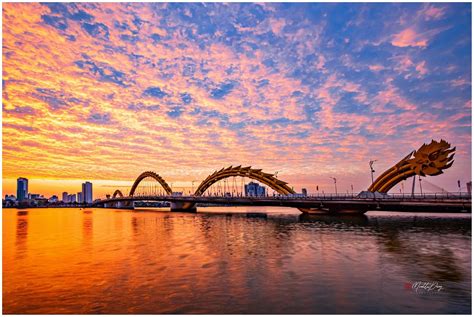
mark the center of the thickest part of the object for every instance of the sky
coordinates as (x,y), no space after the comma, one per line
(103,92)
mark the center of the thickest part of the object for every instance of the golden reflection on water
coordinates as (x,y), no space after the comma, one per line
(119,261)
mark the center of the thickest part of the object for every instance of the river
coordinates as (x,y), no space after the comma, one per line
(234,260)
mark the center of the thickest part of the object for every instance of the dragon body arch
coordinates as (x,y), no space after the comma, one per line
(117,193)
(276,184)
(157,177)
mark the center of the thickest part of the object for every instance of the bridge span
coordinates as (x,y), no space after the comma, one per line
(323,204)
(429,160)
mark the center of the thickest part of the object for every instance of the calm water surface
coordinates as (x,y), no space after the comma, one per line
(116,261)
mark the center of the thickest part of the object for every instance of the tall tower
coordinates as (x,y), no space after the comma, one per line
(21,188)
(87,192)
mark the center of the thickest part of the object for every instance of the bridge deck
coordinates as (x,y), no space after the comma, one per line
(418,204)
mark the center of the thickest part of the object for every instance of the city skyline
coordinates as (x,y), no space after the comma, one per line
(23,193)
(106,91)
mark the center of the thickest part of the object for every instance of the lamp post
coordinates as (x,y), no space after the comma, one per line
(335,183)
(372,171)
(421,189)
(192,185)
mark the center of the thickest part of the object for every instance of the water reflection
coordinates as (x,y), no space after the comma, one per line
(87,228)
(348,219)
(21,233)
(161,262)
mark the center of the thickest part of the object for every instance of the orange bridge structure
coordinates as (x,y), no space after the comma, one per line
(429,160)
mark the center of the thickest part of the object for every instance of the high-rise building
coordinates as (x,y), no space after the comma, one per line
(21,188)
(254,189)
(304,191)
(87,192)
(65,197)
(79,198)
(71,198)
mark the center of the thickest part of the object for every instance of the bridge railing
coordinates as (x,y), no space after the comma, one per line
(442,196)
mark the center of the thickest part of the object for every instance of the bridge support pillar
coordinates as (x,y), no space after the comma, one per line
(183,206)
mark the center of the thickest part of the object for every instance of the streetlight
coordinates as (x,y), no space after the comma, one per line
(421,189)
(372,171)
(192,185)
(335,183)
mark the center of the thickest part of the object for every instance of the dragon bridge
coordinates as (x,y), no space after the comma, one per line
(430,159)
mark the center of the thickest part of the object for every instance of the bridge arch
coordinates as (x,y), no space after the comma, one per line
(274,183)
(117,193)
(157,177)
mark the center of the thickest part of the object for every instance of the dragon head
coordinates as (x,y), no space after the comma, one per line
(431,159)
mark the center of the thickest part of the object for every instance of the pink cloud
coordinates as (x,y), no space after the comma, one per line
(409,37)
(459,82)
(430,12)
(421,68)
(277,26)
(376,68)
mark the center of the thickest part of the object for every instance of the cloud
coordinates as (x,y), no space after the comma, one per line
(376,68)
(409,37)
(432,12)
(421,68)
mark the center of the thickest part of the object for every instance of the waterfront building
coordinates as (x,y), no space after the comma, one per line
(254,189)
(11,198)
(304,191)
(71,198)
(53,199)
(80,199)
(22,188)
(87,192)
(65,197)
(34,196)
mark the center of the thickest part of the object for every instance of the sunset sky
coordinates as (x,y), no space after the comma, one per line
(102,92)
